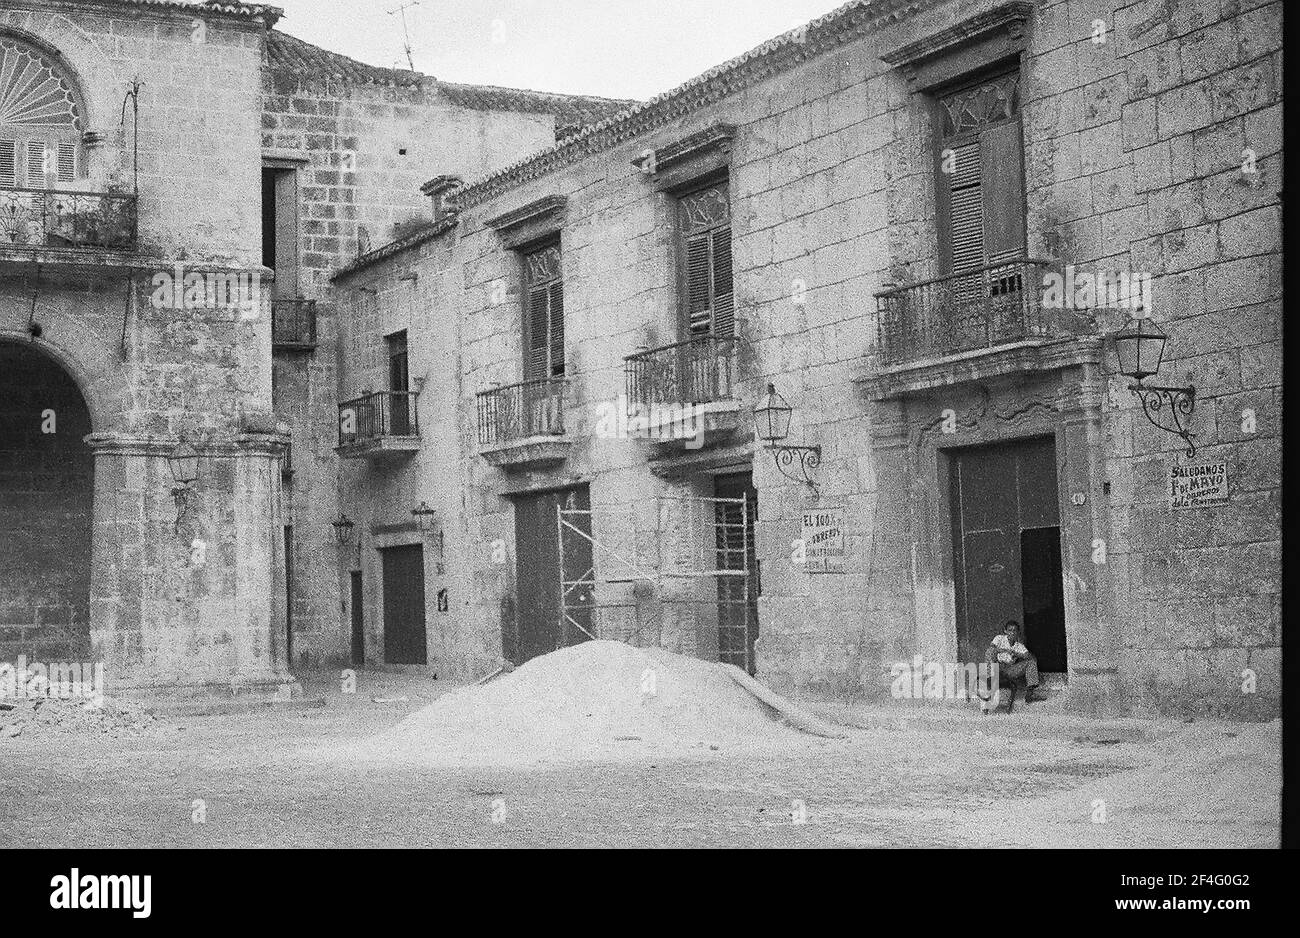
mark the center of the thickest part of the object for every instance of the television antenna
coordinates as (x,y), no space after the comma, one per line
(406,33)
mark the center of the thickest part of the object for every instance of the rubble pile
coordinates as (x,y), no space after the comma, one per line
(39,716)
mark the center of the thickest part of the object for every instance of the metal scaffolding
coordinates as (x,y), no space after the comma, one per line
(669,571)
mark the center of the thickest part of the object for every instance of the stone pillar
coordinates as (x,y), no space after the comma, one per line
(195,606)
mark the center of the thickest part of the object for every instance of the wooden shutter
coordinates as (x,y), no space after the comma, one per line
(35,164)
(556,329)
(8,164)
(535,364)
(1002,157)
(699,263)
(723,299)
(961,209)
(67,162)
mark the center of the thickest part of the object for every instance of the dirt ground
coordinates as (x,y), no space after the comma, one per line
(903,778)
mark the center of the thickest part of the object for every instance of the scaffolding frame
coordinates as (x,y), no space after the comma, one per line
(691,540)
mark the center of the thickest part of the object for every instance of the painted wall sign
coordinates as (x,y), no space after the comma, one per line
(823,539)
(1198,486)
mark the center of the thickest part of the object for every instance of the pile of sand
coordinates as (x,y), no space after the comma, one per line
(600,700)
(40,716)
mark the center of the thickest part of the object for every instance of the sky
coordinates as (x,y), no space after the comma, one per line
(612,48)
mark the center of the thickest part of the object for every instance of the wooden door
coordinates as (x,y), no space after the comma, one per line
(540,616)
(358,621)
(1001,495)
(404,627)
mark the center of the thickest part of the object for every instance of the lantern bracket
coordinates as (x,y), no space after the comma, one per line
(1179,402)
(808,458)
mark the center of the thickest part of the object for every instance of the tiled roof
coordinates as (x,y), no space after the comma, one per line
(269,14)
(848,22)
(422,234)
(572,112)
(285,53)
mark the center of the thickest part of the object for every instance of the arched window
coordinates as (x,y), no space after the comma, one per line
(40,119)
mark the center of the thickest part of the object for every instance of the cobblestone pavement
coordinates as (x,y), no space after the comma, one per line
(955,781)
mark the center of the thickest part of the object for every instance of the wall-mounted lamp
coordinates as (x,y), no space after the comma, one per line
(1140,347)
(183,461)
(343,526)
(772,425)
(424,516)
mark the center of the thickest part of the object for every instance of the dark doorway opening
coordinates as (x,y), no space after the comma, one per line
(1042,596)
(1007,547)
(737,595)
(405,637)
(358,621)
(554,604)
(46,516)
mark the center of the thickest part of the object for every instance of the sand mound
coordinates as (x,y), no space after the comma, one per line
(31,717)
(582,703)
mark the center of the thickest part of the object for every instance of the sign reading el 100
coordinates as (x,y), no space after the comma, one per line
(823,540)
(1198,486)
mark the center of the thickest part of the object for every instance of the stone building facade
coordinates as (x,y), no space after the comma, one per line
(176,182)
(890,216)
(501,392)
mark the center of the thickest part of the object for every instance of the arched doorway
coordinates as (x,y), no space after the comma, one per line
(46,503)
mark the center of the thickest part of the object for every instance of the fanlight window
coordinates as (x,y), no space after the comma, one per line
(40,120)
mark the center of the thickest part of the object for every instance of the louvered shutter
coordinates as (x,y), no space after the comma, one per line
(723,299)
(961,210)
(698,283)
(35,164)
(556,330)
(1003,188)
(67,162)
(538,333)
(8,164)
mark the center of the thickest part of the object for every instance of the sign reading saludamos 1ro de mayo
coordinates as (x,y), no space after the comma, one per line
(1198,486)
(823,540)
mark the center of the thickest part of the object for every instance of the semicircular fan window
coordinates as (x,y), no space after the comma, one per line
(40,120)
(32,92)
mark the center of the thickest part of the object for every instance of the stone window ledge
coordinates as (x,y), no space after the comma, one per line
(689,159)
(531,452)
(531,222)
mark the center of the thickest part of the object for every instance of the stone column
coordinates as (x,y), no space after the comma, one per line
(193,602)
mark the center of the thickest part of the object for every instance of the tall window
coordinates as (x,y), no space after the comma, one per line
(544,322)
(40,120)
(399,382)
(980,184)
(705,226)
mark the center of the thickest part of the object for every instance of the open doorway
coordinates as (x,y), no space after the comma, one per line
(1007,548)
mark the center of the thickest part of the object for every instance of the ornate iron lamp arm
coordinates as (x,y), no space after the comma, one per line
(1180,402)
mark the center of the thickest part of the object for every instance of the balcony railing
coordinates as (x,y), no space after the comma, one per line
(520,411)
(698,371)
(49,218)
(376,417)
(994,305)
(293,323)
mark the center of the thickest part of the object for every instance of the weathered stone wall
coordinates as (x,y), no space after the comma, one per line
(1135,151)
(167,610)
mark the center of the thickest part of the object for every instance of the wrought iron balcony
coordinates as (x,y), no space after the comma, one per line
(518,411)
(984,308)
(379,424)
(293,324)
(522,425)
(700,370)
(52,219)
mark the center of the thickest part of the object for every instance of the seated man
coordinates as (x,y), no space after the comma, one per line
(1015,662)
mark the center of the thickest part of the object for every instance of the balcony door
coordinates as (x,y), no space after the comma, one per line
(399,382)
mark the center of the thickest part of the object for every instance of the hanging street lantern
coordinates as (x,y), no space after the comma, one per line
(343,526)
(183,461)
(1140,347)
(772,425)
